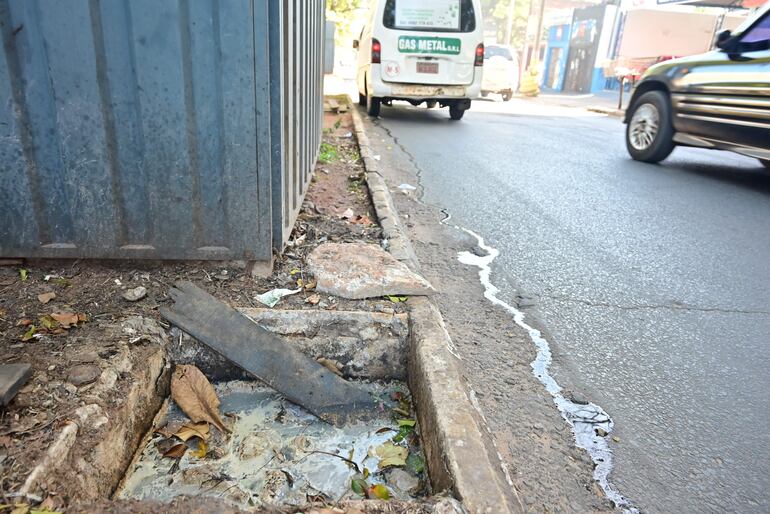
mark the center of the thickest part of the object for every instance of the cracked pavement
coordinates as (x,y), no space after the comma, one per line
(649,282)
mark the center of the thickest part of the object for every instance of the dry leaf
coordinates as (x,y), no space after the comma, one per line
(329,364)
(66,319)
(176,451)
(46,297)
(391,455)
(164,432)
(311,285)
(361,220)
(201,451)
(29,334)
(48,322)
(24,322)
(200,430)
(20,508)
(313,300)
(195,395)
(379,491)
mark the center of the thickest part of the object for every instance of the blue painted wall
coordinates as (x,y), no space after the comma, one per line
(558,38)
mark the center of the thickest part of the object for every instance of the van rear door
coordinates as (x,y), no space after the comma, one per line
(428,41)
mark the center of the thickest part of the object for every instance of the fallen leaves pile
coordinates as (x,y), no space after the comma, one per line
(393,453)
(196,397)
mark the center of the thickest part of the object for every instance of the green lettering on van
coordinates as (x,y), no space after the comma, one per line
(429,45)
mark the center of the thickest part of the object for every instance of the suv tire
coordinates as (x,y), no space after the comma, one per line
(649,132)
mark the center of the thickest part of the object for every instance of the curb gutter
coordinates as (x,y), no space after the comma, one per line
(454,447)
(610,111)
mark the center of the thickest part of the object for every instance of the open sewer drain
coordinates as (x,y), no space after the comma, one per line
(279,453)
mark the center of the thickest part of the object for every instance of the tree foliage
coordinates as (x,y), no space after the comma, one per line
(343,13)
(496,12)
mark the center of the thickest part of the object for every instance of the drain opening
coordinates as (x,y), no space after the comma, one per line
(279,453)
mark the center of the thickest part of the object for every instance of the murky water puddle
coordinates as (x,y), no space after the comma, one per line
(278,453)
(587,420)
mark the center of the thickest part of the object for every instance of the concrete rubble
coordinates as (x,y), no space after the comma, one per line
(357,271)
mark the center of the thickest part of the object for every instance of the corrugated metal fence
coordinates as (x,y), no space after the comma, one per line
(170,129)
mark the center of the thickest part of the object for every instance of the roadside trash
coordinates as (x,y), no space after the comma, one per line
(376,157)
(272,297)
(265,355)
(349,134)
(348,214)
(407,187)
(135,294)
(12,378)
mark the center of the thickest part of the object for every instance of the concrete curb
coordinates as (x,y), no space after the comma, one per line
(398,244)
(610,111)
(458,458)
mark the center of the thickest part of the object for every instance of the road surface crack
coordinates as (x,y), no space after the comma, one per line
(670,307)
(411,158)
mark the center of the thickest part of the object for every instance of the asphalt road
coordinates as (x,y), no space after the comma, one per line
(652,284)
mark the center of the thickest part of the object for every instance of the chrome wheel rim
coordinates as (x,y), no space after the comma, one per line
(644,127)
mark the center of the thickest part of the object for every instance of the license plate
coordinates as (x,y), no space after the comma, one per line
(427,67)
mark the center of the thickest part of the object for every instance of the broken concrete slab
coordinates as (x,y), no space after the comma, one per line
(12,378)
(358,270)
(370,345)
(264,355)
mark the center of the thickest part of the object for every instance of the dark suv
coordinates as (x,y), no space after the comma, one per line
(720,99)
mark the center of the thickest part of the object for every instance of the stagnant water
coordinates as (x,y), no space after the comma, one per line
(585,419)
(273,455)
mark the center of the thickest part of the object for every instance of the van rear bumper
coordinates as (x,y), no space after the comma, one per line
(397,90)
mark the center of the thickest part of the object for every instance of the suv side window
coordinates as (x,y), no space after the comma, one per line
(758,33)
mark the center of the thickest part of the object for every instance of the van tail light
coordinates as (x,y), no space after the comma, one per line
(480,55)
(376,51)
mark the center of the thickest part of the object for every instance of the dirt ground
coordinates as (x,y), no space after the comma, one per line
(548,471)
(71,338)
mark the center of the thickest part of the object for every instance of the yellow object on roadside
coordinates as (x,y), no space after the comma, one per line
(530,85)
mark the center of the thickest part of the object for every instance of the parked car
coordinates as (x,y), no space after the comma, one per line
(501,72)
(720,99)
(421,52)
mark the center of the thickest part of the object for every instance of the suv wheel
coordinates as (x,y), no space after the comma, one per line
(649,133)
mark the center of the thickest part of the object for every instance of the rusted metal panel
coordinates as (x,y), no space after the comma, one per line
(151,129)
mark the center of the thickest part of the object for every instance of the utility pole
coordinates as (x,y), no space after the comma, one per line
(539,33)
(509,26)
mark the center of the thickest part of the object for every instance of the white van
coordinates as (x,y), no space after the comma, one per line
(428,51)
(501,72)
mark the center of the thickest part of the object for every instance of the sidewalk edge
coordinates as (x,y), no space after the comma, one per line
(457,455)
